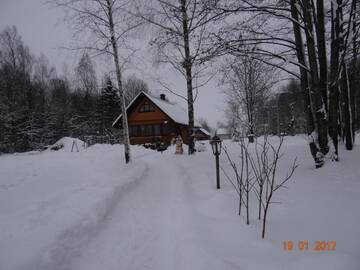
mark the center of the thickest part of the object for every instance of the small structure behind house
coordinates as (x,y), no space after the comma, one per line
(223,134)
(202,134)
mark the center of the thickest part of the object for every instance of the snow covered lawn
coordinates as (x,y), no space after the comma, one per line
(53,203)
(88,210)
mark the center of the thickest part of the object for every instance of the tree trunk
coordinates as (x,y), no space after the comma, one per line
(251,133)
(322,55)
(264,220)
(334,88)
(188,70)
(240,198)
(268,200)
(345,91)
(304,80)
(240,181)
(344,81)
(247,188)
(260,199)
(126,139)
(319,107)
(353,88)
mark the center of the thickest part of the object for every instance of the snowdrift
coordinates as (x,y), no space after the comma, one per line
(68,144)
(88,210)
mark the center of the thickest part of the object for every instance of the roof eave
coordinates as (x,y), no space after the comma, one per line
(151,99)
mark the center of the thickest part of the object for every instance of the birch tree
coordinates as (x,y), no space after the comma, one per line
(181,28)
(105,26)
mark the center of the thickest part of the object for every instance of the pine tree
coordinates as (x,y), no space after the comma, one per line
(108,107)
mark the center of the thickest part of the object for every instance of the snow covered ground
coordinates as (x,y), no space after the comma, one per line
(88,210)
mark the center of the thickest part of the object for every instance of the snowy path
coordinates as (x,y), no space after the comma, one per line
(147,227)
(87,211)
(174,219)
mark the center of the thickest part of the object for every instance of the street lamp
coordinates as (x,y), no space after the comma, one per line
(216,148)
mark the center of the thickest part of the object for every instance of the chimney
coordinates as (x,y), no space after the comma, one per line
(162,97)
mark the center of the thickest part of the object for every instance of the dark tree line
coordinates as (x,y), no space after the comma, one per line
(284,112)
(38,106)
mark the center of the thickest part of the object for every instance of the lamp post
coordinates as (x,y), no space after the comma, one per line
(216,148)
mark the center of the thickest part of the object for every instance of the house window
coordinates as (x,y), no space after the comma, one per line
(147,107)
(133,131)
(146,130)
(157,130)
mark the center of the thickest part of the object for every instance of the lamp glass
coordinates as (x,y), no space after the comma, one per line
(216,145)
(213,147)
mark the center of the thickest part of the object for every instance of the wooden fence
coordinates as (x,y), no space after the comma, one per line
(94,139)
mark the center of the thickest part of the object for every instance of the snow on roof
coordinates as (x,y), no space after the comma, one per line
(172,109)
(205,131)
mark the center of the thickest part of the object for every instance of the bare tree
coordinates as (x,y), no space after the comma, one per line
(181,29)
(86,75)
(248,83)
(244,177)
(249,178)
(18,128)
(259,164)
(283,28)
(233,115)
(272,181)
(105,25)
(133,86)
(43,72)
(13,52)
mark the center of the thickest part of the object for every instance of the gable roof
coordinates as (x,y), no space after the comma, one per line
(205,131)
(177,113)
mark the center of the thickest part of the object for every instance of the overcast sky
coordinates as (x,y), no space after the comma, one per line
(43,30)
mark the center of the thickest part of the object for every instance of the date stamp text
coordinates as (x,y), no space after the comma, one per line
(305,245)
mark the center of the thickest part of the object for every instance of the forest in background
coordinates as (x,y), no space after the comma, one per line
(279,113)
(315,43)
(38,106)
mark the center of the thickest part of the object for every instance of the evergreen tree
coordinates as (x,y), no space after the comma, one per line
(108,107)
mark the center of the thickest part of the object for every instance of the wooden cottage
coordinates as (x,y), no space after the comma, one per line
(153,119)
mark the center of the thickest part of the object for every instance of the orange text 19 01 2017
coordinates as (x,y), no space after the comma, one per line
(305,245)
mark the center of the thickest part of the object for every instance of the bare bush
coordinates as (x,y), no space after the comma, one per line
(244,178)
(257,171)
